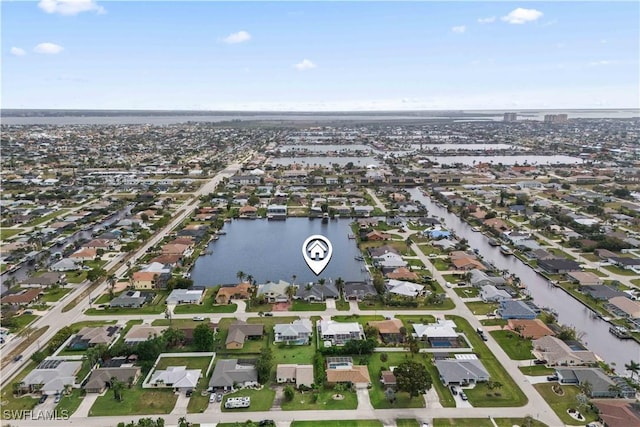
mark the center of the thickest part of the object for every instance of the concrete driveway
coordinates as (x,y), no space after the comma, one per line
(331,304)
(86,404)
(181,404)
(364,403)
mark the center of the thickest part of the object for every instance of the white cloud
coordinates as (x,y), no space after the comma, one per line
(305,64)
(17,51)
(459,29)
(521,16)
(601,63)
(48,48)
(70,7)
(239,37)
(489,20)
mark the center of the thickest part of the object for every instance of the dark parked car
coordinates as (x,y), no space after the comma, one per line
(454,390)
(17,358)
(43,398)
(266,423)
(540,362)
(268,314)
(552,378)
(463,396)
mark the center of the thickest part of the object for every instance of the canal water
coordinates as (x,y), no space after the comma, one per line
(272,250)
(594,331)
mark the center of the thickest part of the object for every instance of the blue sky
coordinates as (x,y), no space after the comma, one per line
(320,55)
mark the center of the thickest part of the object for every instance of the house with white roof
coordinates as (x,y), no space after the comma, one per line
(406,289)
(274,292)
(51,376)
(462,371)
(490,293)
(338,333)
(297,332)
(185,296)
(177,377)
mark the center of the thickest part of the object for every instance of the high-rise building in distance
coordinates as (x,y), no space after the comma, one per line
(510,117)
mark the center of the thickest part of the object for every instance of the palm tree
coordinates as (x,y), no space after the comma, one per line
(586,388)
(116,385)
(249,278)
(632,367)
(321,283)
(340,286)
(240,275)
(615,388)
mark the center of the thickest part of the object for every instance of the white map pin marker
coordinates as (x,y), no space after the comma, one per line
(317,251)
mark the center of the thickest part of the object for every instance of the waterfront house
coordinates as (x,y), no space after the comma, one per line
(618,412)
(602,385)
(490,293)
(274,292)
(558,265)
(277,211)
(601,292)
(529,328)
(248,211)
(584,278)
(625,307)
(185,296)
(557,352)
(227,293)
(515,309)
(402,273)
(480,278)
(316,291)
(358,291)
(44,280)
(296,333)
(405,289)
(300,375)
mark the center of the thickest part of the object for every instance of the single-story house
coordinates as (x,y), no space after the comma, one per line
(296,332)
(480,278)
(618,413)
(461,371)
(177,377)
(100,378)
(389,330)
(131,299)
(227,293)
(405,289)
(602,292)
(231,373)
(51,376)
(601,383)
(388,379)
(440,334)
(44,280)
(317,292)
(185,296)
(530,328)
(139,333)
(627,306)
(22,298)
(91,336)
(558,265)
(584,278)
(358,291)
(65,264)
(300,375)
(357,375)
(402,273)
(490,293)
(241,331)
(557,352)
(515,309)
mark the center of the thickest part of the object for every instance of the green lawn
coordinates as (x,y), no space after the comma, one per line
(70,403)
(5,233)
(362,319)
(189,362)
(302,354)
(342,305)
(517,348)
(12,403)
(54,294)
(376,393)
(494,322)
(22,321)
(440,264)
(407,422)
(261,400)
(46,218)
(560,404)
(484,422)
(481,308)
(536,370)
(179,323)
(467,291)
(325,401)
(199,402)
(76,276)
(136,401)
(378,305)
(617,270)
(337,423)
(308,306)
(510,393)
(205,308)
(409,320)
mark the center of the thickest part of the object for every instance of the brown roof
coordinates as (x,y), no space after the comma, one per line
(182,241)
(144,275)
(356,375)
(402,273)
(465,262)
(534,328)
(167,259)
(174,249)
(388,378)
(248,208)
(22,298)
(387,326)
(618,413)
(84,253)
(243,289)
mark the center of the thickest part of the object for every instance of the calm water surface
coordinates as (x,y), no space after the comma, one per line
(272,250)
